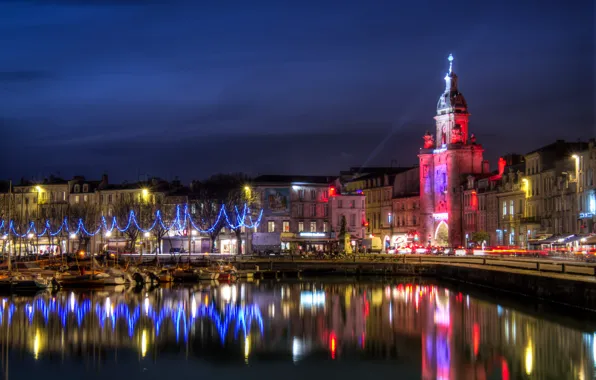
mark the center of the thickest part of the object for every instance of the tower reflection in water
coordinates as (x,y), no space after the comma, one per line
(445,335)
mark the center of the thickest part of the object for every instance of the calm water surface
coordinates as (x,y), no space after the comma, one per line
(300,330)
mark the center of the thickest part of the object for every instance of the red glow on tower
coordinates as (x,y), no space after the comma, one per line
(474,200)
(332,192)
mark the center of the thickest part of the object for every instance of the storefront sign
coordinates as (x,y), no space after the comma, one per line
(441,216)
(585,215)
(313,234)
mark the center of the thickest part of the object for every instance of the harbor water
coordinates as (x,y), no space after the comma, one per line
(308,329)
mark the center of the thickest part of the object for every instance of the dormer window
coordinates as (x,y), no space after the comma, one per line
(85,188)
(77,188)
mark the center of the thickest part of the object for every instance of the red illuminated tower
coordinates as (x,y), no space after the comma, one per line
(445,162)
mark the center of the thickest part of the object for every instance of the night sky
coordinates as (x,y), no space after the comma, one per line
(189,88)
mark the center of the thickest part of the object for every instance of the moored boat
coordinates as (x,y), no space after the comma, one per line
(24,282)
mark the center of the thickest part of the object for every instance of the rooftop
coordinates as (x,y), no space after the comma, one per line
(289,179)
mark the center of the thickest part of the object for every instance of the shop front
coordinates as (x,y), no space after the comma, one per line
(309,242)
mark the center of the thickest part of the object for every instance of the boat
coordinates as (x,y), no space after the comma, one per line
(116,277)
(226,272)
(185,275)
(139,277)
(23,283)
(84,280)
(164,276)
(207,275)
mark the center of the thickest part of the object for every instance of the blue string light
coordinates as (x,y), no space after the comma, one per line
(183,220)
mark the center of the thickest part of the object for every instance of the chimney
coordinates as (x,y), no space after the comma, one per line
(104,180)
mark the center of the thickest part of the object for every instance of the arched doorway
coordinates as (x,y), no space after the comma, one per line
(442,234)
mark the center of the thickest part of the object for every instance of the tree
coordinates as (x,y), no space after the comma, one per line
(89,213)
(227,190)
(342,227)
(123,207)
(479,237)
(168,215)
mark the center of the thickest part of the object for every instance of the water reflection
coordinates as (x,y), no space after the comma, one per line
(438,333)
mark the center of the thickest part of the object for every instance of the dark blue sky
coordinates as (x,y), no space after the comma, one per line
(189,88)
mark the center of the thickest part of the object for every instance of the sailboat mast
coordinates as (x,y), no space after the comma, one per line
(9,220)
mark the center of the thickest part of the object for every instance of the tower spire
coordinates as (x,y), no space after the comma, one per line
(450,58)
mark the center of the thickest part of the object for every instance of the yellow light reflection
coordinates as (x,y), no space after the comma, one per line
(144,343)
(246,347)
(36,344)
(529,357)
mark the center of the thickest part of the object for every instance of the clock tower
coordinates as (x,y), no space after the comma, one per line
(446,159)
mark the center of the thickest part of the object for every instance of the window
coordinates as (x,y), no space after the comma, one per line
(301,194)
(85,188)
(286,226)
(77,189)
(77,200)
(300,226)
(414,221)
(85,198)
(352,220)
(313,210)
(300,210)
(352,204)
(339,203)
(504,208)
(270,226)
(313,226)
(325,194)
(511,208)
(325,210)
(313,195)
(64,195)
(110,198)
(324,226)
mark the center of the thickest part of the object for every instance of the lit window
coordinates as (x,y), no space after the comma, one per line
(286,226)
(85,198)
(504,207)
(511,208)
(300,226)
(324,226)
(271,226)
(313,226)
(77,199)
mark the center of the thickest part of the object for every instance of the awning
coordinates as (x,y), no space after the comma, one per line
(568,239)
(551,240)
(591,240)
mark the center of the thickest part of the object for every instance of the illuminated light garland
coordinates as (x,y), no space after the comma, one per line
(183,220)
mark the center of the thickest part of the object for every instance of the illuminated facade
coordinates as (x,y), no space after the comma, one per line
(444,165)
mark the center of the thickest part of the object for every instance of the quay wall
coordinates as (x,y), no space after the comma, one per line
(552,282)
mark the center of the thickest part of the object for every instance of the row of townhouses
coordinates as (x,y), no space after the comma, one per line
(546,197)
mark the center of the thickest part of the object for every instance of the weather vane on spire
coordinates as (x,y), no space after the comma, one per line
(450,58)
